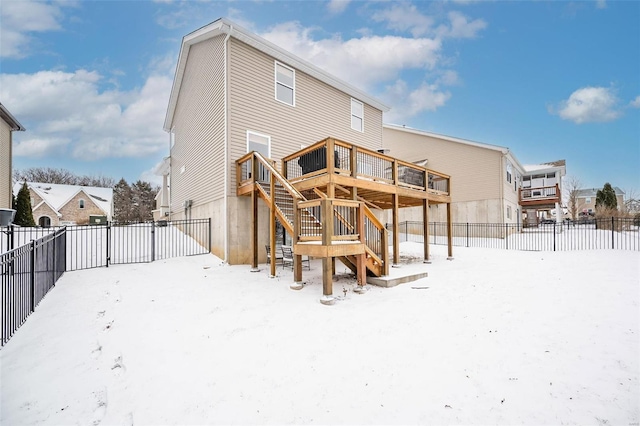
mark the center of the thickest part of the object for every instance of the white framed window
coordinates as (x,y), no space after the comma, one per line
(81,203)
(509,171)
(261,143)
(285,84)
(587,200)
(508,212)
(357,115)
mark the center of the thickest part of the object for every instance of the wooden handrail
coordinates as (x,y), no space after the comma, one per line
(276,174)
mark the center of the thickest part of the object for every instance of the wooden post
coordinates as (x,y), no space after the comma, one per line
(272,225)
(396,231)
(254,232)
(327,262)
(385,251)
(361,260)
(254,217)
(297,262)
(449,233)
(425,229)
(331,185)
(354,161)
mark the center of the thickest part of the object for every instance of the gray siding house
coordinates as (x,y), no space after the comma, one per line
(235,92)
(8,124)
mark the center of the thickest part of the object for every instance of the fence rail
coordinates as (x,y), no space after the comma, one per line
(607,233)
(93,246)
(27,273)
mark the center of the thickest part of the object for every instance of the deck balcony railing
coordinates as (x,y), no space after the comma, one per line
(539,194)
(331,156)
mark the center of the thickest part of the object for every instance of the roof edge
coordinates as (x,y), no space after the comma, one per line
(10,119)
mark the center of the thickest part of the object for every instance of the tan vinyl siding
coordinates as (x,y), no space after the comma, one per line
(475,172)
(5,165)
(199,128)
(320,110)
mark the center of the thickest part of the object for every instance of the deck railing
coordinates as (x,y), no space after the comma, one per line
(539,193)
(331,156)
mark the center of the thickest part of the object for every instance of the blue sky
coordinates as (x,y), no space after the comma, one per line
(90,80)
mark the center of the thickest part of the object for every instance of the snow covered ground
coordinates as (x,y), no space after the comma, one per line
(492,337)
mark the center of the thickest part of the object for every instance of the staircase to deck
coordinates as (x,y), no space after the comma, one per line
(353,223)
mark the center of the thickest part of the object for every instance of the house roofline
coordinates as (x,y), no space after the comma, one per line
(224,26)
(10,119)
(82,189)
(44,200)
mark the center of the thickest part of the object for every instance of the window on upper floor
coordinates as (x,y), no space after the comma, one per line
(509,171)
(285,84)
(587,200)
(357,115)
(81,203)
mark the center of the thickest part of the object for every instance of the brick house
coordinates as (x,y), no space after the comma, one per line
(55,205)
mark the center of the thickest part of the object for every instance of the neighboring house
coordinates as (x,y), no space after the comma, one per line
(55,205)
(234,93)
(489,185)
(586,200)
(8,124)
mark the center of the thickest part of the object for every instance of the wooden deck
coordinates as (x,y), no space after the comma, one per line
(324,196)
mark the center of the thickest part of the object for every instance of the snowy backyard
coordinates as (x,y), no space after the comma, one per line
(492,337)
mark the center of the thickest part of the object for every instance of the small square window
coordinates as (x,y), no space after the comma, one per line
(357,115)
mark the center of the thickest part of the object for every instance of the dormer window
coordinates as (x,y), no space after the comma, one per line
(285,84)
(81,204)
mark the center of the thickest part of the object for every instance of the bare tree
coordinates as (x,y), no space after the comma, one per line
(61,176)
(632,201)
(571,187)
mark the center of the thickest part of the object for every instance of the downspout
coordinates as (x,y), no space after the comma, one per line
(172,138)
(226,149)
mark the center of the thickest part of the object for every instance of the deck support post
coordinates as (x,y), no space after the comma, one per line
(396,231)
(361,258)
(272,225)
(327,262)
(449,233)
(297,260)
(254,232)
(425,230)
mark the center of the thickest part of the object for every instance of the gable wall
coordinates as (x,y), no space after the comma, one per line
(6,185)
(72,211)
(199,128)
(320,110)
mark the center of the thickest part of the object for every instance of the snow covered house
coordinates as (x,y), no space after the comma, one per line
(586,200)
(55,204)
(248,120)
(491,185)
(8,124)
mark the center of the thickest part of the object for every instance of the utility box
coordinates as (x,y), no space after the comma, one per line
(6,216)
(97,220)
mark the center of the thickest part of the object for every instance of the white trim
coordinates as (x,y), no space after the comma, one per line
(276,83)
(354,115)
(48,217)
(225,196)
(262,135)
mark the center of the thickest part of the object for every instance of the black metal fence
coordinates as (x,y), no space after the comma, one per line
(93,246)
(608,233)
(27,273)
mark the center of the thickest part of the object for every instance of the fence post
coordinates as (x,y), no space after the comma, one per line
(32,266)
(153,241)
(209,237)
(10,238)
(506,236)
(467,234)
(613,234)
(554,235)
(108,245)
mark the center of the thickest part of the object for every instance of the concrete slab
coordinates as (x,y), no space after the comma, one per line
(395,279)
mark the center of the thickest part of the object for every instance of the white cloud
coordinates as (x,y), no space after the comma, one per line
(337,6)
(636,102)
(589,104)
(407,17)
(363,62)
(601,4)
(22,18)
(461,27)
(151,176)
(66,113)
(408,103)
